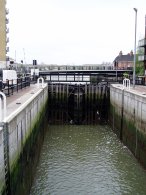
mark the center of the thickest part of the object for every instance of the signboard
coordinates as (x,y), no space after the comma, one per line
(34,72)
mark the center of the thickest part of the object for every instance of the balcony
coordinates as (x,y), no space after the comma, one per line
(142,43)
(7,40)
(7,11)
(141,58)
(7,30)
(7,49)
(7,21)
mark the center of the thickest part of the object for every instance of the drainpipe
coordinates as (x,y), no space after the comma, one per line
(145,48)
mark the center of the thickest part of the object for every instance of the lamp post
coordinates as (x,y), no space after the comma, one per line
(134,48)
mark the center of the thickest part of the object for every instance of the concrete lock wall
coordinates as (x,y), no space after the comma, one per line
(127,117)
(17,139)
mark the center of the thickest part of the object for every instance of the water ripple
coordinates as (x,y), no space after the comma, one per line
(86,160)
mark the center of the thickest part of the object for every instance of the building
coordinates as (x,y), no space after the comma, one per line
(124,61)
(3,32)
(142,44)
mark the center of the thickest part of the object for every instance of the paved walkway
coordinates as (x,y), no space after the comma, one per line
(17,99)
(139,89)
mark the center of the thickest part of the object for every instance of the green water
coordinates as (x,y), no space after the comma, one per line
(86,160)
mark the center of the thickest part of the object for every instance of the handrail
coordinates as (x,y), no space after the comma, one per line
(15,85)
(126,83)
(2,106)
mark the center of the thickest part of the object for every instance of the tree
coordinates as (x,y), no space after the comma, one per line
(139,69)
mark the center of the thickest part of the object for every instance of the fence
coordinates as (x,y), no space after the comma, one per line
(11,86)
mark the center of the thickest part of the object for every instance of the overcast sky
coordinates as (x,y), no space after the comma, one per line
(73,31)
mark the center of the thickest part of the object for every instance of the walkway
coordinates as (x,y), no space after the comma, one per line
(18,99)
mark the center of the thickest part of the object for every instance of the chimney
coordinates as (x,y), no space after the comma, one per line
(120,54)
(131,53)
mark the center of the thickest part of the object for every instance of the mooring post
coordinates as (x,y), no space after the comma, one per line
(38,82)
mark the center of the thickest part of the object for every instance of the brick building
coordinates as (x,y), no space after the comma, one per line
(124,61)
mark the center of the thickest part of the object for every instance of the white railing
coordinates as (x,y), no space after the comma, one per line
(126,83)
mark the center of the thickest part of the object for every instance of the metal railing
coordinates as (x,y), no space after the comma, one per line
(11,86)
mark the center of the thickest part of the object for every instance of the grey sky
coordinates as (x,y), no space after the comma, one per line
(73,31)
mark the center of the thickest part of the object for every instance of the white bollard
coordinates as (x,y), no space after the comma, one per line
(2,106)
(40,84)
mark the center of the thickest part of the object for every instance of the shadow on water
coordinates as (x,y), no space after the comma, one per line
(78,104)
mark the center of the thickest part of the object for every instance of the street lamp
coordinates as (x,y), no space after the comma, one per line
(134,48)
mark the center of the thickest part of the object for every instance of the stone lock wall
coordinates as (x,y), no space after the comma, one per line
(127,117)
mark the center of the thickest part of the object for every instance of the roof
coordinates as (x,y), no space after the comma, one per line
(124,58)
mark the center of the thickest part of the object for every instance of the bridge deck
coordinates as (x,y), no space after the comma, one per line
(83,75)
(85,72)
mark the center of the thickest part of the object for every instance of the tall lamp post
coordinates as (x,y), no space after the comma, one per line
(135,48)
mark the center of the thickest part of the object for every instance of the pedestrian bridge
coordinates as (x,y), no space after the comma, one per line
(83,75)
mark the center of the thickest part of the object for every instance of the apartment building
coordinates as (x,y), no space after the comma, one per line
(3,32)
(142,44)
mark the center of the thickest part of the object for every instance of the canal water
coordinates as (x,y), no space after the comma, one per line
(86,160)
